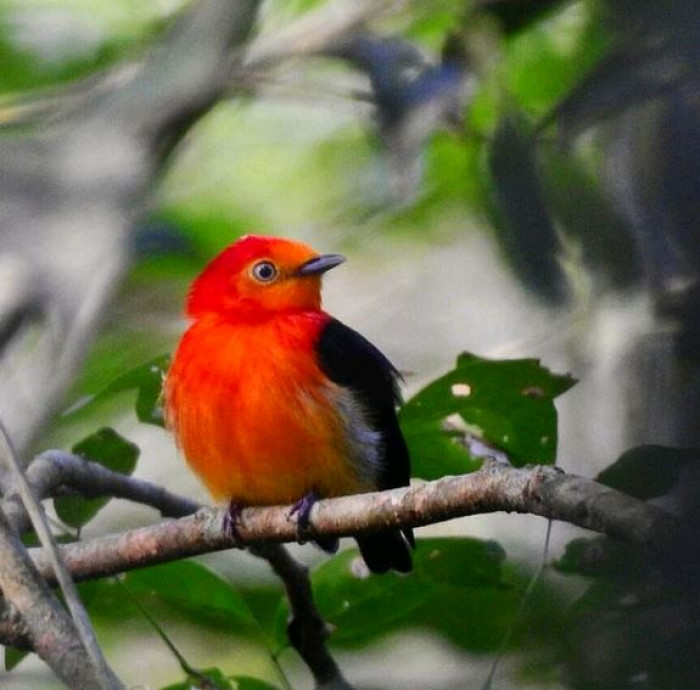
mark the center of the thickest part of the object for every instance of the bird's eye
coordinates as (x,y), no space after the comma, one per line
(264,271)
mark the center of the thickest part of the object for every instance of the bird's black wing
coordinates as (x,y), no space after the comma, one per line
(351,361)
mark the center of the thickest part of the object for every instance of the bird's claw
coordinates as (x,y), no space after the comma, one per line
(302,510)
(232,519)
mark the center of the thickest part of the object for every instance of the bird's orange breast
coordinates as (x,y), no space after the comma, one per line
(255,416)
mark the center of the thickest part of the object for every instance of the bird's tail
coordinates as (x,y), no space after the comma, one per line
(387,551)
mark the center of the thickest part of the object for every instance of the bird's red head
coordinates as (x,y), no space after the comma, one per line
(258,275)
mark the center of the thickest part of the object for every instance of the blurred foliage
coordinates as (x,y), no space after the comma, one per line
(180,596)
(649,471)
(186,588)
(461,588)
(47,44)
(216,680)
(147,380)
(13,657)
(110,450)
(640,605)
(301,154)
(526,229)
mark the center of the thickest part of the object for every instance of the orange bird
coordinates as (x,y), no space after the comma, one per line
(273,401)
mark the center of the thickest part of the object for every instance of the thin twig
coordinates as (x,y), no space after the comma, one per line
(103,673)
(537,575)
(192,672)
(55,470)
(49,629)
(312,32)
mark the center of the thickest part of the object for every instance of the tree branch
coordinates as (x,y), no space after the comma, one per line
(13,630)
(73,189)
(56,470)
(306,628)
(49,629)
(103,674)
(184,76)
(312,32)
(544,491)
(53,470)
(71,192)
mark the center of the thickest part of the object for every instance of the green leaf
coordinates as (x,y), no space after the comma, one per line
(26,70)
(602,557)
(194,591)
(147,379)
(112,451)
(14,656)
(222,681)
(479,619)
(362,607)
(517,15)
(648,471)
(506,404)
(168,594)
(249,683)
(187,588)
(210,679)
(541,66)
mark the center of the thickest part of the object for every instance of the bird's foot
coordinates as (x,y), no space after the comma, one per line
(232,519)
(302,509)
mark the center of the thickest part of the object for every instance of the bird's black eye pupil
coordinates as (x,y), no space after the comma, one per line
(264,271)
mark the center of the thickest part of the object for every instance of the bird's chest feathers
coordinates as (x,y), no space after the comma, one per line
(262,422)
(265,371)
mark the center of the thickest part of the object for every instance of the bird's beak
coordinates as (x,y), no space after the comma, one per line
(320,264)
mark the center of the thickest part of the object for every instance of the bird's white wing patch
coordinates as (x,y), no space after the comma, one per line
(364,443)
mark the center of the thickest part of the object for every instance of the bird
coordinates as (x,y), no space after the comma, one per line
(273,401)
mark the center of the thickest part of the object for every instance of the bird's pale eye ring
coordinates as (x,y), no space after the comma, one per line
(264,271)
